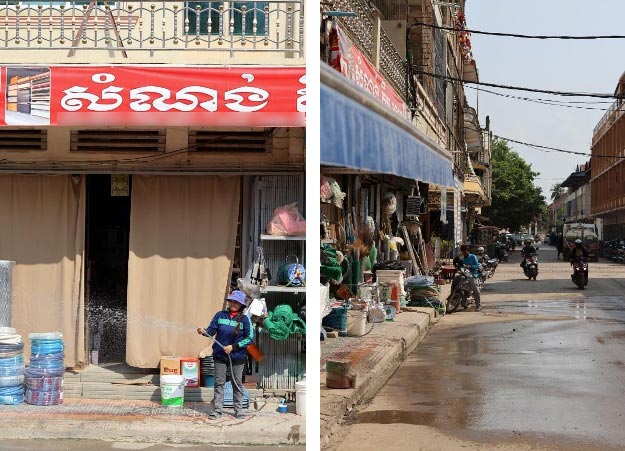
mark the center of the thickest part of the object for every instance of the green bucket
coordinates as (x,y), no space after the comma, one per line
(172,390)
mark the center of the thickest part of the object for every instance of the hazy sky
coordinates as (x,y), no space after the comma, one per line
(562,65)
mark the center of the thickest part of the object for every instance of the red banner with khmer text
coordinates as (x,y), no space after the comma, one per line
(153,96)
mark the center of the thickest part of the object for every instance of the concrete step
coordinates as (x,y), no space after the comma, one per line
(120,381)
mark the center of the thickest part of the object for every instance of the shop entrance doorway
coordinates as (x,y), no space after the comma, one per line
(107,244)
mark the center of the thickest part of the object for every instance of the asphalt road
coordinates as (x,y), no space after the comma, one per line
(541,367)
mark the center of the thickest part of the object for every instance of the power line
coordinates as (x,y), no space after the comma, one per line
(515,35)
(518,88)
(555,149)
(543,101)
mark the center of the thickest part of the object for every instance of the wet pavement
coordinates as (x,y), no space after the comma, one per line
(540,373)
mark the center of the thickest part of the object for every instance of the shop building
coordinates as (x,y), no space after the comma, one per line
(608,169)
(137,188)
(399,109)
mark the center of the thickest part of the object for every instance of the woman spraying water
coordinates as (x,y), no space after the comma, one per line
(232,332)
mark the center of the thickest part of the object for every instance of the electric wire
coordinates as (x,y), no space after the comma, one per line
(545,101)
(517,35)
(520,88)
(555,149)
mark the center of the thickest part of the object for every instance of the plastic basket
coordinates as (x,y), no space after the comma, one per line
(229,396)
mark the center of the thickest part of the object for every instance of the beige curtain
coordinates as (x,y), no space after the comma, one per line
(42,224)
(182,238)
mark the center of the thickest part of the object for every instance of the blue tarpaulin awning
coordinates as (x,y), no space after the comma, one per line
(361,134)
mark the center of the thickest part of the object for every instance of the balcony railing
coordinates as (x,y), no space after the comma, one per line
(361,31)
(392,65)
(247,26)
(610,116)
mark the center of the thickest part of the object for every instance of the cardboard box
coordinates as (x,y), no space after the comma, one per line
(170,365)
(190,370)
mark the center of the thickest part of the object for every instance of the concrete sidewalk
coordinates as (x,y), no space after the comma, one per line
(374,358)
(150,422)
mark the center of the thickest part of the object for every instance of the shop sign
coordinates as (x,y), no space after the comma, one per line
(354,65)
(153,96)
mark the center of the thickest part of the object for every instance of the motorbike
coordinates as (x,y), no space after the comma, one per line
(461,293)
(580,272)
(489,265)
(501,251)
(530,270)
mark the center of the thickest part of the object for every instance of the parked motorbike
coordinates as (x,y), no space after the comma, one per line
(461,293)
(531,266)
(489,265)
(580,272)
(501,251)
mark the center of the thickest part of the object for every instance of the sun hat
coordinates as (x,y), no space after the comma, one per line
(237,296)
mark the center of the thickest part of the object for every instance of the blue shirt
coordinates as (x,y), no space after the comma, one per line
(225,327)
(474,265)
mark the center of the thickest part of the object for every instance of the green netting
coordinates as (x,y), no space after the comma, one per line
(282,322)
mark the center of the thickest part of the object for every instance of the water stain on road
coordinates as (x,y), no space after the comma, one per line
(531,378)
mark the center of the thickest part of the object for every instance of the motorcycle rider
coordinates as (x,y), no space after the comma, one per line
(481,256)
(470,261)
(577,251)
(528,249)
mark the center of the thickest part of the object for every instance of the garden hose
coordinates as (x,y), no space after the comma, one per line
(234,381)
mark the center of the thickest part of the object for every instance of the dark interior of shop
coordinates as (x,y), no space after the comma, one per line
(107,236)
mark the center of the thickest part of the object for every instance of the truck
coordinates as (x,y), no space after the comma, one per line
(587,232)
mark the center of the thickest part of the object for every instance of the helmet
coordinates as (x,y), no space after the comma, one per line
(480,250)
(527,242)
(578,241)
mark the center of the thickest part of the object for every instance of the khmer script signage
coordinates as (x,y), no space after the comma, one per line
(153,96)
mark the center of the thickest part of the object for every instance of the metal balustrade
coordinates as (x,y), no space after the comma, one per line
(360,30)
(234,26)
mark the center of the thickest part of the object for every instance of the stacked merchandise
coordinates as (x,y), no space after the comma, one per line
(229,396)
(44,376)
(423,292)
(11,367)
(207,371)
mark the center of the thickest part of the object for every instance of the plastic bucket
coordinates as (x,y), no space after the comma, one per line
(172,390)
(356,322)
(300,397)
(208,381)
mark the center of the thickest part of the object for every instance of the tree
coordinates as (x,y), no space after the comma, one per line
(556,191)
(516,201)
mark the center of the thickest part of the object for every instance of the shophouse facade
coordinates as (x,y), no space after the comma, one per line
(423,65)
(144,147)
(608,168)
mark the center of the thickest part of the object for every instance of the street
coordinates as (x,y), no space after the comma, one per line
(541,367)
(96,445)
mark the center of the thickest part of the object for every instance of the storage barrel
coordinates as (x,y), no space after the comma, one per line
(300,397)
(172,390)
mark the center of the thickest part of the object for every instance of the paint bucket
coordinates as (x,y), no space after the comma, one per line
(282,408)
(172,390)
(300,397)
(356,321)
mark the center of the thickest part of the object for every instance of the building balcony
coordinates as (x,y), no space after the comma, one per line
(612,115)
(474,191)
(362,30)
(50,32)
